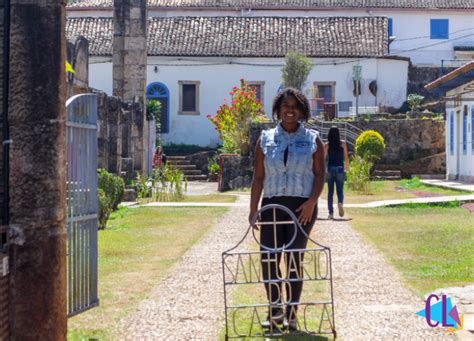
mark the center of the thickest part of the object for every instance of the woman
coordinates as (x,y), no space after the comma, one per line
(338,161)
(289,168)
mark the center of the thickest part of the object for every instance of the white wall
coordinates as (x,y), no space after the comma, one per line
(464,169)
(217,78)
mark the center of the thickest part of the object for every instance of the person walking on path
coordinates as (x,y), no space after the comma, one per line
(289,168)
(338,161)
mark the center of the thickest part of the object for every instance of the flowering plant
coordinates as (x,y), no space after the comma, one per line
(232,121)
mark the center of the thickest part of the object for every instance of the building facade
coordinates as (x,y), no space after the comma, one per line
(193,63)
(458,88)
(429,32)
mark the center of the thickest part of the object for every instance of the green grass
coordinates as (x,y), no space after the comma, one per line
(416,184)
(389,190)
(137,250)
(430,246)
(217,198)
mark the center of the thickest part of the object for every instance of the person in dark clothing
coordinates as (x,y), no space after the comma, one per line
(289,169)
(338,162)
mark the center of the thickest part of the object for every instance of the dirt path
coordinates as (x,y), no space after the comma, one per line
(188,304)
(371,301)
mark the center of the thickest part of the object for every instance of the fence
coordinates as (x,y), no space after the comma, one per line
(82,206)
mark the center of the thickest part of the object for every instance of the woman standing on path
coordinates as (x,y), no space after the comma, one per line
(338,161)
(289,168)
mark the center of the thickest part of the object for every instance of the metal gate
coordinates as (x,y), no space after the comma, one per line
(82,206)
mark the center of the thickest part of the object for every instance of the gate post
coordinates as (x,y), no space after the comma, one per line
(38,171)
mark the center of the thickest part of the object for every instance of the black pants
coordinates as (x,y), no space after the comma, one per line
(271,260)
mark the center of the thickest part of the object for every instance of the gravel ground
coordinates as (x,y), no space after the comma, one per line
(371,302)
(189,303)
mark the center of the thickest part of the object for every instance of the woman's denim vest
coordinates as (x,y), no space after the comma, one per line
(296,178)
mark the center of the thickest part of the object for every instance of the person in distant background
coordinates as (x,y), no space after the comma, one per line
(338,161)
(159,159)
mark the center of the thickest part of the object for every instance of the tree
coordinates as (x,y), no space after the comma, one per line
(296,70)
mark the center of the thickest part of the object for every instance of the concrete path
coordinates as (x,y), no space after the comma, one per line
(457,185)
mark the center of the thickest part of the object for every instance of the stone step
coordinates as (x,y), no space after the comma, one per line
(178,162)
(387,167)
(187,172)
(176,157)
(388,177)
(379,172)
(196,177)
(184,167)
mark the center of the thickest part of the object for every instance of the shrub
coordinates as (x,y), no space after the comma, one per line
(370,145)
(213,165)
(414,101)
(167,184)
(296,70)
(358,174)
(232,121)
(104,209)
(110,194)
(113,187)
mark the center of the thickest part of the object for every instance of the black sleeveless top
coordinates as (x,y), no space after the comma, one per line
(336,157)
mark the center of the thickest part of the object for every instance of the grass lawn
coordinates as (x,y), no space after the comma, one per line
(389,190)
(430,246)
(218,198)
(137,250)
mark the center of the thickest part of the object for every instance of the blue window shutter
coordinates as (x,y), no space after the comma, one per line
(439,28)
(464,133)
(451,133)
(390,27)
(472,129)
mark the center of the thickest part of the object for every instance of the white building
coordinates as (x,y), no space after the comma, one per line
(193,62)
(426,31)
(458,87)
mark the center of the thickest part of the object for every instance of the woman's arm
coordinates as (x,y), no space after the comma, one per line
(346,157)
(257,181)
(307,208)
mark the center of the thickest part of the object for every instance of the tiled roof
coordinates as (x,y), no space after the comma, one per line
(247,37)
(255,4)
(99,32)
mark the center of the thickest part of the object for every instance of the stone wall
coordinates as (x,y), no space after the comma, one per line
(236,173)
(78,58)
(119,138)
(415,146)
(419,76)
(201,160)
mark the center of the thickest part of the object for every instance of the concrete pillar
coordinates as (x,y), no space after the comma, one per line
(129,65)
(38,170)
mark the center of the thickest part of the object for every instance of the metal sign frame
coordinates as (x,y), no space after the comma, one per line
(245,269)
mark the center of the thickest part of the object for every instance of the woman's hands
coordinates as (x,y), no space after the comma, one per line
(306,211)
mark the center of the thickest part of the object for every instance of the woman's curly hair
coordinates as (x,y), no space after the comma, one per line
(303,103)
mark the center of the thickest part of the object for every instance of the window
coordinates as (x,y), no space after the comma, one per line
(472,130)
(159,91)
(451,133)
(390,27)
(464,131)
(259,89)
(325,90)
(189,97)
(439,28)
